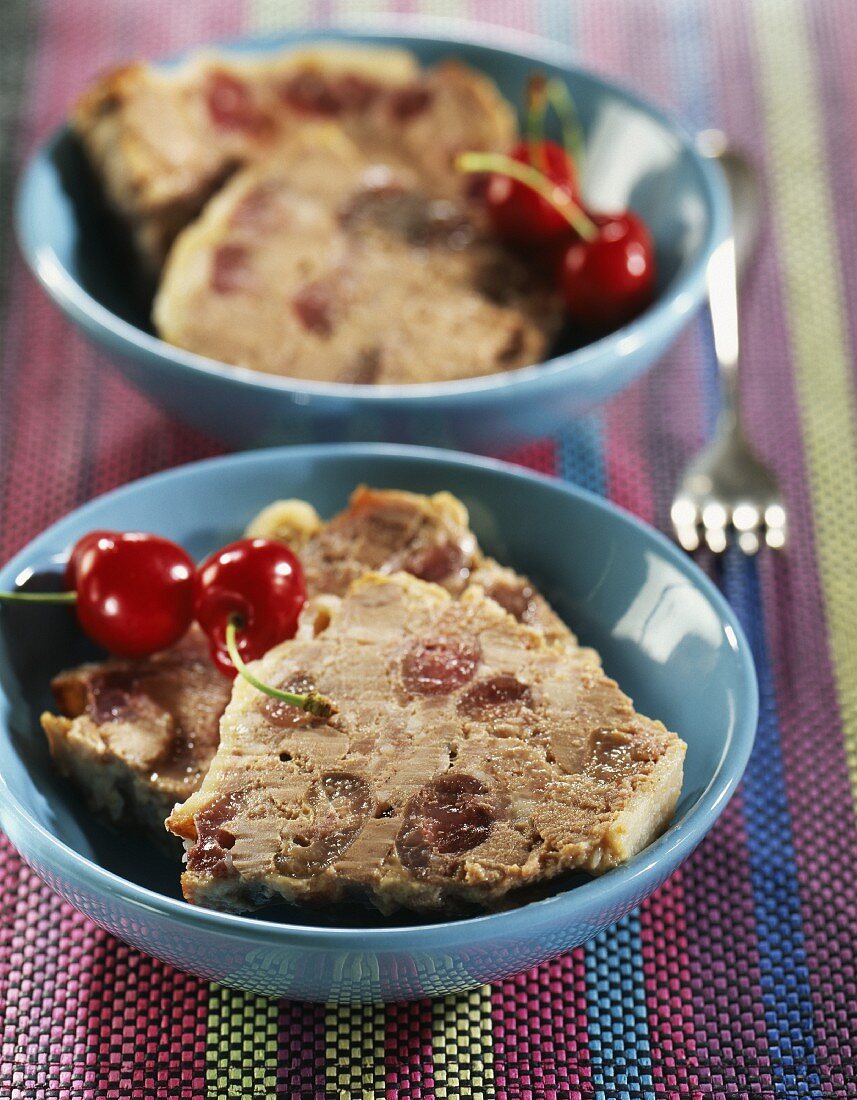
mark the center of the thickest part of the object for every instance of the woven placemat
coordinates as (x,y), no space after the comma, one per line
(738,977)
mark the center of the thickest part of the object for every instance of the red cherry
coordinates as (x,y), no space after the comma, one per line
(134,592)
(260,582)
(609,280)
(70,575)
(518,213)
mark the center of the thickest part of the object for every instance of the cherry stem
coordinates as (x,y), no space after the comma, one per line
(537,104)
(312,702)
(39,597)
(559,199)
(572,132)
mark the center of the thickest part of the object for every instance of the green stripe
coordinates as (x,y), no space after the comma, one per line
(463,1043)
(806,224)
(241,1045)
(271,15)
(354,1051)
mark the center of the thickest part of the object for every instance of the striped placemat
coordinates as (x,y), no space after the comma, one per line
(738,978)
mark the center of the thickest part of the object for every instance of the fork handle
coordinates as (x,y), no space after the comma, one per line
(722,278)
(729,264)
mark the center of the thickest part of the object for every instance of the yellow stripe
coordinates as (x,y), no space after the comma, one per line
(354,1051)
(462,1039)
(803,208)
(241,1045)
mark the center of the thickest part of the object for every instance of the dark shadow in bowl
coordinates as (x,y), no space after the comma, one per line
(106,264)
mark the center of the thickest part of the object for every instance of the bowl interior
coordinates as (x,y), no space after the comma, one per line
(634,157)
(661,629)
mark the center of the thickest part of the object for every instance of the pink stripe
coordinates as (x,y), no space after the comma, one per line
(45,948)
(144,1023)
(540,456)
(723,957)
(666,973)
(662,418)
(541,1043)
(43,459)
(132,437)
(719,941)
(408,1051)
(44,366)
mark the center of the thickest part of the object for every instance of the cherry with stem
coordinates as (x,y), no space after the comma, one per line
(132,592)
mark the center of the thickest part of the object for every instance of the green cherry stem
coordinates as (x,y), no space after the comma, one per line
(39,597)
(312,702)
(573,213)
(560,99)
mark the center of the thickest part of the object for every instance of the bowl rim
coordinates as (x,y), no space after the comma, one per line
(586,364)
(635,879)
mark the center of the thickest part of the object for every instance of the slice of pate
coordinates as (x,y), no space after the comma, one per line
(163,139)
(467,757)
(138,736)
(323,264)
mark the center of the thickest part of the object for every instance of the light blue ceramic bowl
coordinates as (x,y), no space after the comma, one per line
(661,627)
(636,156)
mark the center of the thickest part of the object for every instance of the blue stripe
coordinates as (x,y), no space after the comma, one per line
(580,454)
(617,1016)
(786,995)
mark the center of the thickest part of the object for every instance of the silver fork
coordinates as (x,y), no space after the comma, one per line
(727,493)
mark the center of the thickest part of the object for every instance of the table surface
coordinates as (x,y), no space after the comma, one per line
(738,977)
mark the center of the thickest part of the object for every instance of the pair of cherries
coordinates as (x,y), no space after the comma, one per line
(604,263)
(136,594)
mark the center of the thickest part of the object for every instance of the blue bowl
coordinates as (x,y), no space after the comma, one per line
(636,156)
(663,630)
